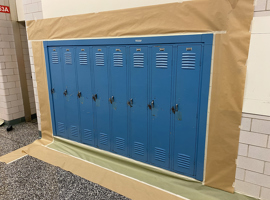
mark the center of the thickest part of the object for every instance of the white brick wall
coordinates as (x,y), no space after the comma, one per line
(33,11)
(10,90)
(253,162)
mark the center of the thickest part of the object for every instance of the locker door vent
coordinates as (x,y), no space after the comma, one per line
(162,60)
(138,59)
(120,143)
(99,59)
(183,161)
(139,148)
(55,58)
(83,58)
(103,138)
(118,59)
(188,60)
(68,58)
(88,134)
(74,131)
(61,127)
(160,154)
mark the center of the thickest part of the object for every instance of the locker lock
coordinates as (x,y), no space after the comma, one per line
(150,106)
(130,102)
(65,92)
(52,90)
(94,97)
(79,94)
(175,109)
(111,100)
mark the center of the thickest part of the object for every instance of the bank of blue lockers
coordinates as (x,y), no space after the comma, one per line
(144,98)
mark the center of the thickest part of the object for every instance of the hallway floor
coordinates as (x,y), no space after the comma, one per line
(30,178)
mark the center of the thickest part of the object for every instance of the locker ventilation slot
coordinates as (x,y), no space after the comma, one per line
(120,143)
(103,138)
(55,58)
(139,148)
(87,134)
(118,59)
(160,154)
(99,59)
(74,131)
(188,60)
(138,59)
(162,60)
(68,58)
(183,161)
(83,58)
(61,127)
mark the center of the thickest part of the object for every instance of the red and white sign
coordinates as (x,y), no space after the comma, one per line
(4,9)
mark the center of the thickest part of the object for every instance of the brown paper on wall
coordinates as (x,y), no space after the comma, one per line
(229,70)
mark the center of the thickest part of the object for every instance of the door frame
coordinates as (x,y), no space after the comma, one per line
(205,39)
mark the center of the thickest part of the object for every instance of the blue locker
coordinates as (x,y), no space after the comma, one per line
(138,129)
(118,99)
(85,94)
(54,54)
(100,97)
(160,105)
(186,108)
(70,93)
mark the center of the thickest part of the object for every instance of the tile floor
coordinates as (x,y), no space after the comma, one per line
(30,178)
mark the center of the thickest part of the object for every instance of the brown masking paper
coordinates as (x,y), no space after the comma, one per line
(233,17)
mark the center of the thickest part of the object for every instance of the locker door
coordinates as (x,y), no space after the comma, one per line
(138,102)
(71,99)
(187,97)
(57,91)
(85,94)
(100,97)
(119,99)
(160,105)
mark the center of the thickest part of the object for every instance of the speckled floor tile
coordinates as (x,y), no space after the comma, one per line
(24,133)
(30,178)
(7,145)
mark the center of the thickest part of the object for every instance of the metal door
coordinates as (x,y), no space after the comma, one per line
(160,105)
(70,94)
(186,108)
(118,99)
(85,94)
(138,129)
(56,74)
(100,97)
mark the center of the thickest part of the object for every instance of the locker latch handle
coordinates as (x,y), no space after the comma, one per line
(111,100)
(130,102)
(173,110)
(176,107)
(94,97)
(79,94)
(152,104)
(52,90)
(65,92)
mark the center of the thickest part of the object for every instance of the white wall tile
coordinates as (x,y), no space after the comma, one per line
(256,139)
(240,174)
(245,124)
(260,5)
(258,179)
(247,188)
(267,169)
(268,5)
(260,126)
(250,164)
(265,193)
(243,149)
(259,153)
